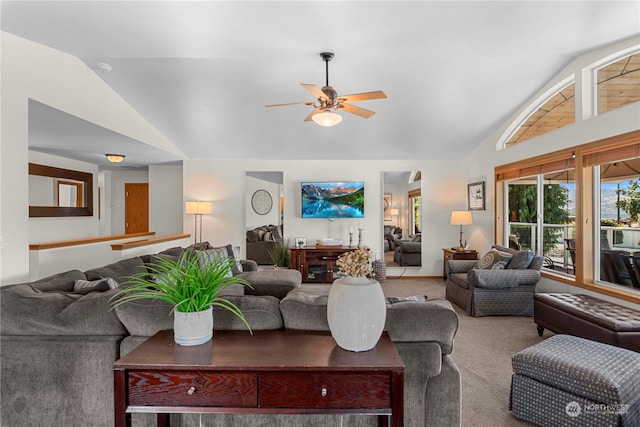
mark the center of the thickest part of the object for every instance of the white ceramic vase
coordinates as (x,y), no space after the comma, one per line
(193,328)
(356,312)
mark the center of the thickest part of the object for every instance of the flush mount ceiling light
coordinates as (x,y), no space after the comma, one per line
(327,118)
(115,158)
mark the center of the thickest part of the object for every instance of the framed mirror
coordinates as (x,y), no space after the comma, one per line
(401,212)
(57,192)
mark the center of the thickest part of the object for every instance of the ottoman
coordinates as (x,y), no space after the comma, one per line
(587,317)
(276,282)
(571,381)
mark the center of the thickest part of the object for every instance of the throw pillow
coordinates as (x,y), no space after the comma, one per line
(494,260)
(101,285)
(520,260)
(211,255)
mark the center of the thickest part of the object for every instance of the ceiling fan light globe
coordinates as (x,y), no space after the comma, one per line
(327,119)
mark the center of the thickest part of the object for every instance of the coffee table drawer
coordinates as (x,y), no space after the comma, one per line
(304,390)
(185,388)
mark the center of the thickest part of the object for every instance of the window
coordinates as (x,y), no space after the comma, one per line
(558,111)
(541,217)
(415,207)
(618,83)
(619,209)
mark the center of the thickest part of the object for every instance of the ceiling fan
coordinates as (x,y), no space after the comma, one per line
(329,100)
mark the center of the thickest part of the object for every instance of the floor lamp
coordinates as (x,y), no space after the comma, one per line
(197,209)
(461,218)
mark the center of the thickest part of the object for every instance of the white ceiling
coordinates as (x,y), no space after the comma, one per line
(201,72)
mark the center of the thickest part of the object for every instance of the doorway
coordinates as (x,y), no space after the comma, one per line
(136,207)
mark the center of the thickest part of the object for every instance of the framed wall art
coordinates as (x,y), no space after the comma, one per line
(387,207)
(475,196)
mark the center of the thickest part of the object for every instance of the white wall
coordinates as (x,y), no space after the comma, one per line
(165,199)
(253,219)
(30,70)
(222,182)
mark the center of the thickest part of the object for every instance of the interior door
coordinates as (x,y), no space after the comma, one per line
(136,207)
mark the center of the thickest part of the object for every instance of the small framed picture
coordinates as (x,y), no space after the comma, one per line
(301,242)
(475,196)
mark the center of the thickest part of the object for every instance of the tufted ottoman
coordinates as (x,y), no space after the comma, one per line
(588,317)
(572,381)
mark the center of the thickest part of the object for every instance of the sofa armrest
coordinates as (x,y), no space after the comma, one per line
(432,321)
(249,265)
(460,265)
(501,279)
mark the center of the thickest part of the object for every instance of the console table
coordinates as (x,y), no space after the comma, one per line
(269,372)
(317,264)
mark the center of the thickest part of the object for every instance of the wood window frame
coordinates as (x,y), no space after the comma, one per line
(583,158)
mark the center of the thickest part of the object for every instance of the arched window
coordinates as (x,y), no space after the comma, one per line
(556,112)
(618,83)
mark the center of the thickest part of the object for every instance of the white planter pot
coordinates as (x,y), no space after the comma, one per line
(193,328)
(356,312)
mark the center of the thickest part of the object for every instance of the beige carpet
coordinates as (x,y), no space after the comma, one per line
(482,350)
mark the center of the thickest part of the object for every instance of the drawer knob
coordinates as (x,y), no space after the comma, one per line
(324,392)
(191,390)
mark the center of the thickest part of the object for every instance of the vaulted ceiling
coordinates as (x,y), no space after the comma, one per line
(202,72)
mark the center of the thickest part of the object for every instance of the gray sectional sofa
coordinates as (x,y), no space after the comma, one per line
(58,347)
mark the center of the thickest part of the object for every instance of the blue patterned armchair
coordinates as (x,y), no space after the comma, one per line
(503,291)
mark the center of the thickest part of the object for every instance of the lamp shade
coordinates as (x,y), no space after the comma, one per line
(198,207)
(461,218)
(327,119)
(395,211)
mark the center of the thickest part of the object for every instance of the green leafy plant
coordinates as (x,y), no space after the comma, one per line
(281,254)
(631,201)
(184,283)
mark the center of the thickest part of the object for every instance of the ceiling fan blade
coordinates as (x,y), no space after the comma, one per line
(365,96)
(315,91)
(357,110)
(290,103)
(308,118)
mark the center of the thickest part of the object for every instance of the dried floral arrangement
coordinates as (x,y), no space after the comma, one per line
(355,263)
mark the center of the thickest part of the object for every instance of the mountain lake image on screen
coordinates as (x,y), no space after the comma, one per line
(333,199)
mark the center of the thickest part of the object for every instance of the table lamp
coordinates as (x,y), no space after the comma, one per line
(461,218)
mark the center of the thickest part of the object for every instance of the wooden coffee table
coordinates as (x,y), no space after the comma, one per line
(269,372)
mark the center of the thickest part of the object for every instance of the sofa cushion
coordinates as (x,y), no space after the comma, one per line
(274,282)
(147,317)
(494,260)
(100,285)
(306,308)
(119,271)
(26,311)
(63,282)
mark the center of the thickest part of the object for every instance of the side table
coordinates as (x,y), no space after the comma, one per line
(455,254)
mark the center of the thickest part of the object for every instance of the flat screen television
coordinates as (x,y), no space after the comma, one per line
(333,199)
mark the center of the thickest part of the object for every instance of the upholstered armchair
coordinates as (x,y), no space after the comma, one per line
(505,288)
(261,243)
(392,234)
(409,253)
